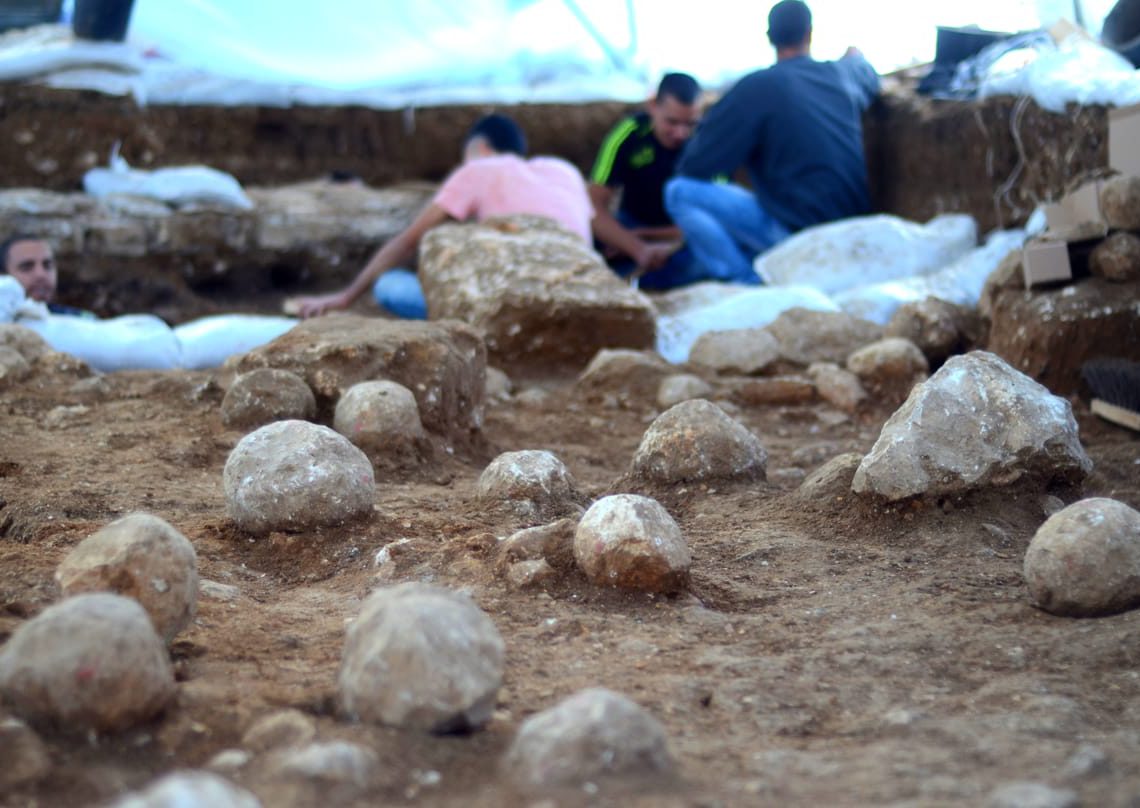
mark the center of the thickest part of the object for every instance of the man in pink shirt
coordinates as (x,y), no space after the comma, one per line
(495,179)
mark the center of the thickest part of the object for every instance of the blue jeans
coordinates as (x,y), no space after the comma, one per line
(399,291)
(724,226)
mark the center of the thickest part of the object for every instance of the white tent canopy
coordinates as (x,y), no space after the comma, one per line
(285,52)
(352,44)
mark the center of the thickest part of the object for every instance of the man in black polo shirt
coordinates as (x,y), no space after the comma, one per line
(637,158)
(797,128)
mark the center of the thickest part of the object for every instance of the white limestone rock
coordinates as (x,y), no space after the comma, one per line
(91,662)
(284,728)
(381,417)
(745,351)
(889,368)
(421,657)
(25,758)
(977,422)
(631,542)
(1085,560)
(594,734)
(838,387)
(540,294)
(695,441)
(294,476)
(532,483)
(265,395)
(143,557)
(681,387)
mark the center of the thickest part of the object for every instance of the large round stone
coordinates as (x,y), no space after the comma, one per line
(142,557)
(530,482)
(26,758)
(889,367)
(293,476)
(421,657)
(1120,202)
(266,395)
(696,441)
(92,662)
(382,419)
(632,542)
(1085,560)
(591,735)
(191,789)
(681,387)
(1117,258)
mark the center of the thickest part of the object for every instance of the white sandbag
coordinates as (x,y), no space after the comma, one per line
(210,341)
(14,304)
(840,255)
(961,282)
(45,49)
(130,342)
(179,186)
(754,307)
(1077,71)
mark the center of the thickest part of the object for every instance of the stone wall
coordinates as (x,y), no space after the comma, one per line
(924,157)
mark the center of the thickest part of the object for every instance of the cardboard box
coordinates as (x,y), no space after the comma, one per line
(1045,261)
(1077,216)
(1124,140)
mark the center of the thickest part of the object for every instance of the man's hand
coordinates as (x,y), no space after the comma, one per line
(653,256)
(306,307)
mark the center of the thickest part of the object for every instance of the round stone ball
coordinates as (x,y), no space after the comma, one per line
(696,441)
(532,482)
(91,662)
(591,735)
(632,542)
(142,557)
(421,657)
(382,418)
(266,395)
(295,476)
(1085,560)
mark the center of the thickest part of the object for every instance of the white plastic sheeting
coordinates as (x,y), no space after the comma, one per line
(889,262)
(140,341)
(1076,71)
(868,249)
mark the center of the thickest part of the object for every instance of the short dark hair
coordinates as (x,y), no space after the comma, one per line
(501,133)
(6,247)
(681,86)
(789,23)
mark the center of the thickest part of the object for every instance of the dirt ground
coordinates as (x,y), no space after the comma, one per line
(833,653)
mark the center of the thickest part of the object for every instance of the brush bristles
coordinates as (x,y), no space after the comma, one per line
(1116,381)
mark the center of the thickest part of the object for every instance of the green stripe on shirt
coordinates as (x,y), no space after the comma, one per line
(604,165)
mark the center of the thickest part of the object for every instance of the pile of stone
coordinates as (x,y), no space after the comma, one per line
(849,363)
(98,660)
(1047,314)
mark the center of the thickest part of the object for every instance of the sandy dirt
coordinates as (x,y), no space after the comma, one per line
(833,653)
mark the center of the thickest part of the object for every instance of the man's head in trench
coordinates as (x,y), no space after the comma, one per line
(30,261)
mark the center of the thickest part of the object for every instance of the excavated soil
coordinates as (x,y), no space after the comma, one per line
(829,653)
